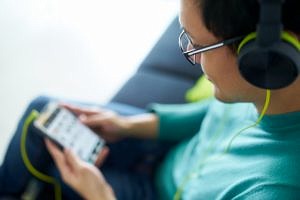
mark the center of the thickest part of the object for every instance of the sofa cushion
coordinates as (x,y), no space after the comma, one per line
(144,88)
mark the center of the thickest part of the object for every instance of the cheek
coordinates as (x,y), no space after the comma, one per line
(220,66)
(208,64)
(201,61)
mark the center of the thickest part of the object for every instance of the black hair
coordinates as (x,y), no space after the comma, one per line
(230,18)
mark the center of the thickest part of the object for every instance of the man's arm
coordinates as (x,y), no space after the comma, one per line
(178,122)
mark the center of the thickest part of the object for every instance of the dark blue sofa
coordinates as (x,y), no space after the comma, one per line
(163,77)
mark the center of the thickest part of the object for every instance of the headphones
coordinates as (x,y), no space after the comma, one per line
(269,58)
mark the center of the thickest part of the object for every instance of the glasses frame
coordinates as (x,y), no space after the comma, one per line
(193,52)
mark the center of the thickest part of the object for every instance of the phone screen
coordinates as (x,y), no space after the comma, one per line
(64,128)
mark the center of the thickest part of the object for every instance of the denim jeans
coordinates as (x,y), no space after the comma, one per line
(128,168)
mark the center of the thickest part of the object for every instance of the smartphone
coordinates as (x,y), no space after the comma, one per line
(64,128)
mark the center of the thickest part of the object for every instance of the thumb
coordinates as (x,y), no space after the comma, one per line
(79,110)
(92,120)
(72,160)
(102,156)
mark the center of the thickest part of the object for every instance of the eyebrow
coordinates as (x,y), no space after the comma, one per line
(181,27)
(188,33)
(192,39)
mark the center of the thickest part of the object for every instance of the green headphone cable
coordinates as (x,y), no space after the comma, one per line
(179,191)
(29,166)
(263,112)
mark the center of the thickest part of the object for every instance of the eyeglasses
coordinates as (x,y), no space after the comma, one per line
(189,51)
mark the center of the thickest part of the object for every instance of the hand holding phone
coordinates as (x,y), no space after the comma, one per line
(64,128)
(79,174)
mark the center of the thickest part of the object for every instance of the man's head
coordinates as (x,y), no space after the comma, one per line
(211,21)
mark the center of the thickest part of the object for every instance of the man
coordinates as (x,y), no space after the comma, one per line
(241,145)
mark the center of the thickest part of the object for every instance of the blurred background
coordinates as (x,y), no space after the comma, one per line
(74,49)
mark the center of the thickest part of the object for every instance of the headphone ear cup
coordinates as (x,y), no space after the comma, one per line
(271,67)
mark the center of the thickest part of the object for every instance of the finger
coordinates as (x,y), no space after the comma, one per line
(73,160)
(93,120)
(58,158)
(53,150)
(79,110)
(111,138)
(102,156)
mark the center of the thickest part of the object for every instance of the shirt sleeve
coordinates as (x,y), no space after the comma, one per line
(179,121)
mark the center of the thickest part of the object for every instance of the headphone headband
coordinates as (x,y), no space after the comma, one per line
(269,27)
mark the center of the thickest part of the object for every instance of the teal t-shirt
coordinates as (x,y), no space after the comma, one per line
(263,162)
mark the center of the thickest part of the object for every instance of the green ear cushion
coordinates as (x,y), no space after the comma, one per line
(287,37)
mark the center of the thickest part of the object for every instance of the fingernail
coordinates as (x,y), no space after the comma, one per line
(82,118)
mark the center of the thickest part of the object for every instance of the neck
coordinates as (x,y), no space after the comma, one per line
(282,101)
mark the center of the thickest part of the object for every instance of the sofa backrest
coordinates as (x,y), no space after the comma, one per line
(163,77)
